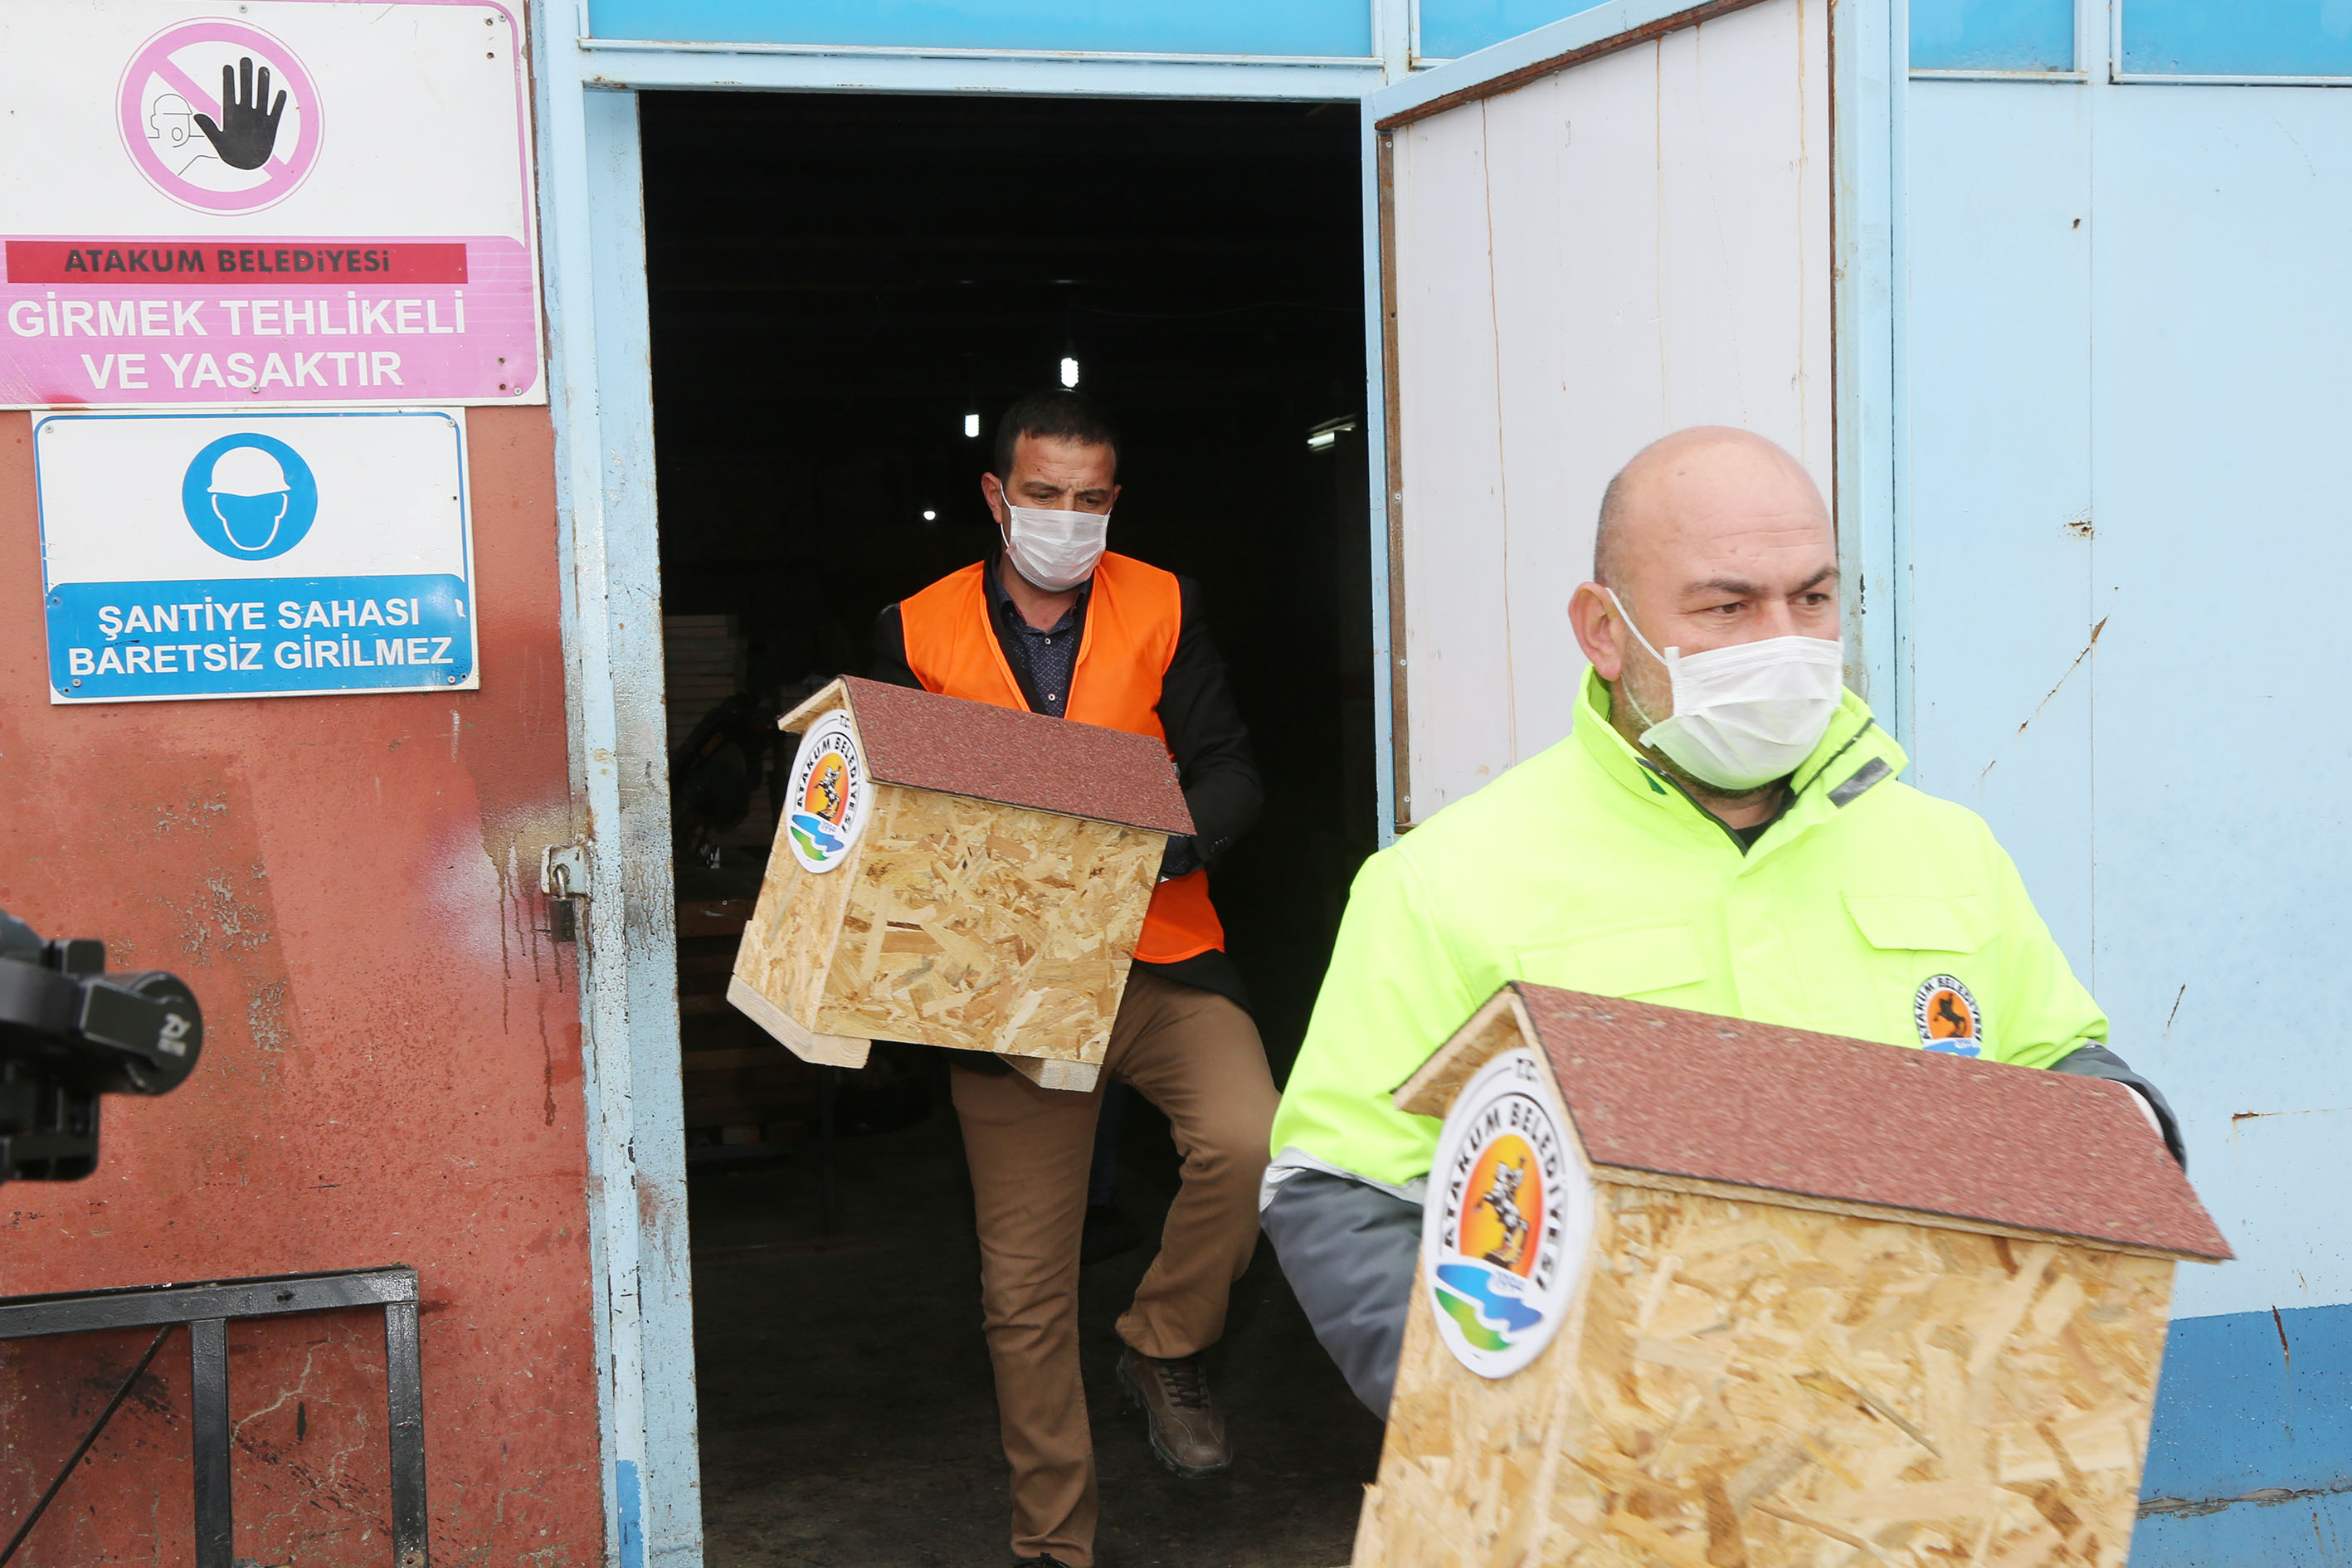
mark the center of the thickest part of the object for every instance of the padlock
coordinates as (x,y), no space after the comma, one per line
(562,909)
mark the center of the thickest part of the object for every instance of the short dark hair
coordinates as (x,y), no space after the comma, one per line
(1059,414)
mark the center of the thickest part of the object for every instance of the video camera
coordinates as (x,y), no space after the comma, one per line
(70,1032)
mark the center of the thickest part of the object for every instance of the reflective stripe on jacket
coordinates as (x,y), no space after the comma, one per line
(1866,910)
(1134,614)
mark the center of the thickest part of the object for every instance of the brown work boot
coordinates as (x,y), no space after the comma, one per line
(1187,1433)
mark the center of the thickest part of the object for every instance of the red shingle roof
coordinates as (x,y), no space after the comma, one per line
(929,742)
(1722,1099)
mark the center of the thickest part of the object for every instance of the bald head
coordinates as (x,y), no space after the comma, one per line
(1707,538)
(1709,467)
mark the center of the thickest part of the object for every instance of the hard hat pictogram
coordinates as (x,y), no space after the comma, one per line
(247,471)
(250,497)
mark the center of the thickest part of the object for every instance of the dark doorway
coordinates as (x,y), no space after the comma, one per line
(839,283)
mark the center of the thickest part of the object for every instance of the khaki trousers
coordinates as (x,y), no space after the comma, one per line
(1197,1056)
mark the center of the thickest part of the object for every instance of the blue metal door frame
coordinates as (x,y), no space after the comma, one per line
(600,390)
(599,387)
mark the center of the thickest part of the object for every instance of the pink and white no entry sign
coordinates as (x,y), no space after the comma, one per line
(301,201)
(220,117)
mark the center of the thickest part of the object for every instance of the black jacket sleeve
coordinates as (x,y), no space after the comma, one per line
(2097,1061)
(890,650)
(1211,743)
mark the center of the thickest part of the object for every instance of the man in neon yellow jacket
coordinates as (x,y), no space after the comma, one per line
(1722,831)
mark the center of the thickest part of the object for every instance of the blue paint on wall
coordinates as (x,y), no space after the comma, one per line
(1992,34)
(1334,28)
(2291,1532)
(2252,1401)
(631,1499)
(2237,38)
(1451,28)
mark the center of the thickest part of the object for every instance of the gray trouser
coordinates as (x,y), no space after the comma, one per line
(1348,1251)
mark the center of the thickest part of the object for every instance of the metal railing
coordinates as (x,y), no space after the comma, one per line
(205,1311)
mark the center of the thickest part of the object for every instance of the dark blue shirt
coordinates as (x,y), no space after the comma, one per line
(1042,662)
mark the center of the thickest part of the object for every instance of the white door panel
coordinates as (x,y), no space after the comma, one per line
(1582,263)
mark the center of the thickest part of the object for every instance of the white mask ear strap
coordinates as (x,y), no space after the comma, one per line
(1626,683)
(1646,645)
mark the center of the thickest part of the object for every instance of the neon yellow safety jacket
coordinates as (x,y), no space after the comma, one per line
(1867,910)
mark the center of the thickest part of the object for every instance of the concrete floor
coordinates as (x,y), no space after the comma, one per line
(847,1417)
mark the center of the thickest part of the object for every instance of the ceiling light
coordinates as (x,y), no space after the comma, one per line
(972,426)
(1326,436)
(1069,372)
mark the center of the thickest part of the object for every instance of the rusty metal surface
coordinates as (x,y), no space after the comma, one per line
(393,1070)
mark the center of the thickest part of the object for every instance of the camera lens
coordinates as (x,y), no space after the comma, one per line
(152,1024)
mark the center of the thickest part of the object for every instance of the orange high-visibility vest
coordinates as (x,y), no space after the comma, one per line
(1133,616)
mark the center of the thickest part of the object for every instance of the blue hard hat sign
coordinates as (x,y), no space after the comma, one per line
(249,496)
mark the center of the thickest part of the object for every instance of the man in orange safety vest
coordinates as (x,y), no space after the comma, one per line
(1052,623)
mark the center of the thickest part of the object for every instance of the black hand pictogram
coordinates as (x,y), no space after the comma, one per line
(243,141)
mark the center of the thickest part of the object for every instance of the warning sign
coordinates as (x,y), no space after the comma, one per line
(243,149)
(255,554)
(309,202)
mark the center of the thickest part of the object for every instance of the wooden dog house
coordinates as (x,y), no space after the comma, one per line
(959,875)
(1773,1299)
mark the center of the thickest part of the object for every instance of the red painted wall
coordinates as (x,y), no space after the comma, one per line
(391,1074)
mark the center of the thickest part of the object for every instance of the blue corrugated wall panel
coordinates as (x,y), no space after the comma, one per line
(1330,27)
(2221,332)
(2002,604)
(2126,332)
(2121,434)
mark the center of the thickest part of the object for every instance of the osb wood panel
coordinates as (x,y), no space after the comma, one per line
(989,926)
(834,694)
(1744,1385)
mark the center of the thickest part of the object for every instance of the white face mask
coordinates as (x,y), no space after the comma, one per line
(1747,715)
(1056,550)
